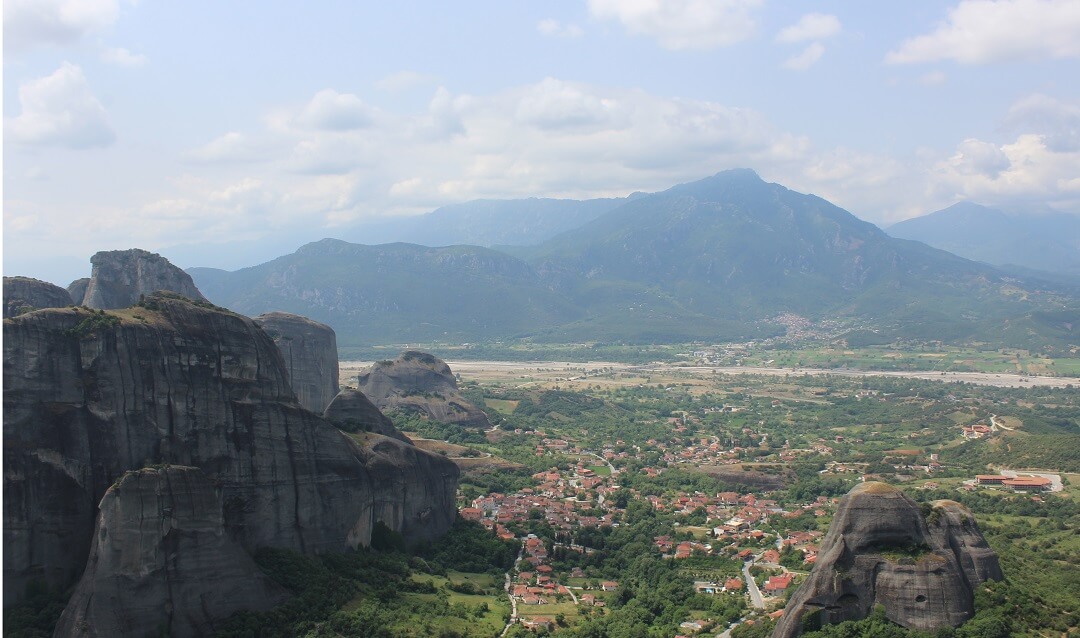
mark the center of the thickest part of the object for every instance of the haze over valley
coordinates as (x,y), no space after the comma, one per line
(593,319)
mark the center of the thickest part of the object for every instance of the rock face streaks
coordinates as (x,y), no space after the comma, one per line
(89,396)
(353,412)
(880,550)
(310,352)
(119,277)
(421,383)
(161,562)
(23,294)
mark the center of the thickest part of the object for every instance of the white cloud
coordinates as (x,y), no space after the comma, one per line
(808,58)
(1058,122)
(553,28)
(404,80)
(333,111)
(122,57)
(230,147)
(986,31)
(553,104)
(32,23)
(812,26)
(60,110)
(1023,171)
(683,24)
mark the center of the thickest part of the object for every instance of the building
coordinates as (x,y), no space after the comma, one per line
(1028,483)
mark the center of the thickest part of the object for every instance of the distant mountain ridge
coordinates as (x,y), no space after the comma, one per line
(1048,241)
(487,222)
(714,260)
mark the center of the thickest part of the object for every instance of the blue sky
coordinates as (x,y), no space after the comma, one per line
(226,133)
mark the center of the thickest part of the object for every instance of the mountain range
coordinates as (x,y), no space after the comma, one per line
(717,259)
(1042,240)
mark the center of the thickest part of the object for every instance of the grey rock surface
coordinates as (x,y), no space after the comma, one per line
(162,563)
(420,383)
(89,395)
(120,277)
(880,550)
(309,349)
(23,294)
(77,290)
(353,412)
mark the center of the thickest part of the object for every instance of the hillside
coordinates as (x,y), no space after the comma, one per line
(1039,241)
(718,259)
(737,249)
(395,292)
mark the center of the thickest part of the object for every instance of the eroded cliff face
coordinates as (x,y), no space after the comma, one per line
(89,395)
(353,412)
(880,550)
(162,563)
(421,383)
(120,277)
(77,290)
(309,349)
(23,294)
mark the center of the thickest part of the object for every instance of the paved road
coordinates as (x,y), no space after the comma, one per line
(507,586)
(751,586)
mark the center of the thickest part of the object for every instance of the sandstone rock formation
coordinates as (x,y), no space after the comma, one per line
(310,352)
(89,395)
(120,277)
(353,412)
(23,294)
(881,550)
(162,563)
(77,290)
(421,383)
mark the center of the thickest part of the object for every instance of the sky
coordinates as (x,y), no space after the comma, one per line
(224,134)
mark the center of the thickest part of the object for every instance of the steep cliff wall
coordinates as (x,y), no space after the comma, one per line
(119,277)
(89,395)
(22,294)
(309,349)
(880,550)
(421,383)
(161,562)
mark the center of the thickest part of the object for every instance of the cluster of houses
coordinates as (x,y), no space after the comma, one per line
(976,431)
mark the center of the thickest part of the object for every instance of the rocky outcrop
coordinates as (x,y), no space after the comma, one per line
(89,395)
(23,294)
(881,550)
(77,290)
(120,277)
(162,563)
(310,352)
(420,383)
(353,412)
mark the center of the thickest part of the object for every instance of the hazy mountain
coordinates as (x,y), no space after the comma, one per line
(1047,241)
(486,222)
(733,247)
(714,259)
(395,292)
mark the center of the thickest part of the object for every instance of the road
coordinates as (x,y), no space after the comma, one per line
(509,593)
(751,586)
